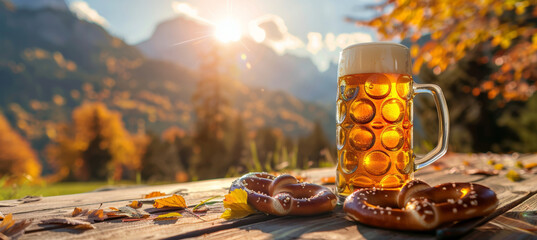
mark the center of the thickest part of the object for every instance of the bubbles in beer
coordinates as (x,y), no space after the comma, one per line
(341,111)
(341,138)
(402,163)
(362,138)
(391,181)
(362,111)
(377,163)
(392,110)
(392,138)
(403,86)
(348,161)
(377,86)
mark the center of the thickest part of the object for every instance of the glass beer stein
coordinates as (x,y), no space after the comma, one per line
(374,118)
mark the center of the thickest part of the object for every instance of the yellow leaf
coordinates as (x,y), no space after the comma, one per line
(169,216)
(236,205)
(154,194)
(173,201)
(135,204)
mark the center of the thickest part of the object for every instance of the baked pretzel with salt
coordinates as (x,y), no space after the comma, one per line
(284,195)
(420,207)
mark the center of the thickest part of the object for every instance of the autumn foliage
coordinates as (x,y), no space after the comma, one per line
(95,146)
(18,161)
(504,31)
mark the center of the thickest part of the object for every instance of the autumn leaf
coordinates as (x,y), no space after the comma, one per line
(135,204)
(173,201)
(113,208)
(169,216)
(154,194)
(75,222)
(29,199)
(201,209)
(236,205)
(132,213)
(12,229)
(328,180)
(206,201)
(91,215)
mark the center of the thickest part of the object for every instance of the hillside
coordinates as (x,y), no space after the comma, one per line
(52,62)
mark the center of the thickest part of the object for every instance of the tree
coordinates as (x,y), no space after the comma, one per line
(310,148)
(211,106)
(505,31)
(18,161)
(96,146)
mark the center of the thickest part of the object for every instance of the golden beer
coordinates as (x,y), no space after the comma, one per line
(374,118)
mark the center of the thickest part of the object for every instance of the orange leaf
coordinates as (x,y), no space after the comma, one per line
(135,204)
(328,180)
(154,194)
(10,228)
(173,201)
(76,212)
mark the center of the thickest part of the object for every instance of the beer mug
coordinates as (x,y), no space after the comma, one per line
(374,118)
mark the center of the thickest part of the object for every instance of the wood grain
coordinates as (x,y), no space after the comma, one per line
(328,226)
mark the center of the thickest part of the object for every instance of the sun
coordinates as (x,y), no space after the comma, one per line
(228,30)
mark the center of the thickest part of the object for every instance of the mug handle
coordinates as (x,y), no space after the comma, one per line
(443,125)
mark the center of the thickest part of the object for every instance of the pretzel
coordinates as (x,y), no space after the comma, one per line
(418,206)
(284,195)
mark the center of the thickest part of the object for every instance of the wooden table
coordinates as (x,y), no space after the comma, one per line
(515,218)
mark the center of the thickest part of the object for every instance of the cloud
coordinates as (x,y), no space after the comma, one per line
(322,49)
(186,10)
(272,31)
(83,11)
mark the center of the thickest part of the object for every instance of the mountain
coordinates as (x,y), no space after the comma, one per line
(51,62)
(290,73)
(39,4)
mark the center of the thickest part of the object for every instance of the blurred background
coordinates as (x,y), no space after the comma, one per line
(96,92)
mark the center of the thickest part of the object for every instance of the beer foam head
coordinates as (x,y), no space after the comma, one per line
(374,57)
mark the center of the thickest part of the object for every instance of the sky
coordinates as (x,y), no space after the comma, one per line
(307,28)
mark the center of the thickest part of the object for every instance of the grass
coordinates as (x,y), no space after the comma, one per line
(61,188)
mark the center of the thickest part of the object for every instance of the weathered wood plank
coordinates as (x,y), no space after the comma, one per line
(327,226)
(336,226)
(519,222)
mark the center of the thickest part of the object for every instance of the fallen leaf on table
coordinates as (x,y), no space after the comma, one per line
(328,180)
(113,208)
(29,199)
(75,222)
(135,204)
(154,194)
(236,205)
(169,216)
(301,178)
(529,166)
(201,209)
(519,164)
(482,172)
(12,229)
(132,213)
(206,201)
(513,176)
(498,166)
(173,201)
(491,162)
(91,215)
(465,163)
